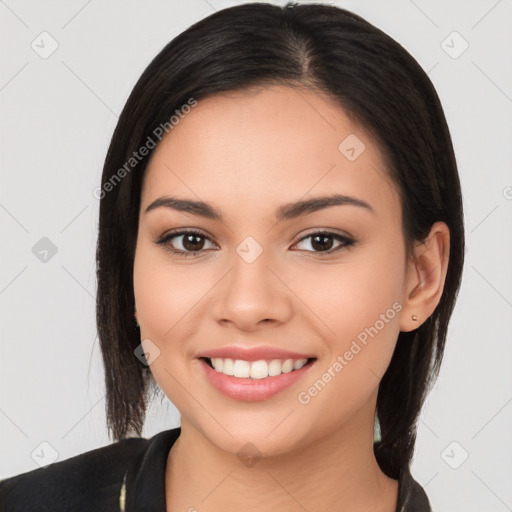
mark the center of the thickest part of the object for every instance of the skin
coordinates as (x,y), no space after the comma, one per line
(247,154)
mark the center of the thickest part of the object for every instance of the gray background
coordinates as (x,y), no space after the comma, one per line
(57,117)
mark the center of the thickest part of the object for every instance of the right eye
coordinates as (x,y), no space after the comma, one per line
(191,242)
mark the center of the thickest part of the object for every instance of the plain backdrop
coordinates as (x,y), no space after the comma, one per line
(58,112)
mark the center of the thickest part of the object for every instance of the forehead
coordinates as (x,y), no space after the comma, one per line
(267,145)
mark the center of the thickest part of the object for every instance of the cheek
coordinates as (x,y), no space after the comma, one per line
(162,298)
(165,300)
(358,304)
(162,294)
(152,293)
(362,307)
(169,299)
(348,297)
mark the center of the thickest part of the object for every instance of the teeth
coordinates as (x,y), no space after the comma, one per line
(287,366)
(225,366)
(274,367)
(256,369)
(241,368)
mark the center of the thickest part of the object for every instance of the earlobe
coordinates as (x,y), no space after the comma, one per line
(426,277)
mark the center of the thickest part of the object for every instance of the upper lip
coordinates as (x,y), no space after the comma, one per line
(253,353)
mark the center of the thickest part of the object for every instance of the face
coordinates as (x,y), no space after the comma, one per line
(324,282)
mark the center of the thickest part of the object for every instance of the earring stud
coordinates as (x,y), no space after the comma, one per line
(414,317)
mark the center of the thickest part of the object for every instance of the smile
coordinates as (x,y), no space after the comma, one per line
(255,369)
(253,380)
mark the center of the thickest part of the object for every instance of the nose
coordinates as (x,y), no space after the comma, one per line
(252,295)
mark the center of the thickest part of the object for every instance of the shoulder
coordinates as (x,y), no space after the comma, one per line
(88,481)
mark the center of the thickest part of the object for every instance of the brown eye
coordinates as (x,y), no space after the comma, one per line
(322,242)
(191,242)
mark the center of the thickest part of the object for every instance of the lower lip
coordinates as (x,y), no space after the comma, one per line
(253,389)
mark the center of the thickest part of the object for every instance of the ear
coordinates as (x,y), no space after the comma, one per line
(426,274)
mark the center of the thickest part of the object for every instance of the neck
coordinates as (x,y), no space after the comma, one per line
(338,472)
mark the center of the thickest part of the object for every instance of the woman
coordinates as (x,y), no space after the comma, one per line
(280,250)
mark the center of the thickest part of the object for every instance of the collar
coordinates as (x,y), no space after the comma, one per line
(145,490)
(146,493)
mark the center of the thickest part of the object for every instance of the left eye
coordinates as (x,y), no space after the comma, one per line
(320,240)
(192,244)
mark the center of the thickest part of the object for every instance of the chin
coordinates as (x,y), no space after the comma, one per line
(262,437)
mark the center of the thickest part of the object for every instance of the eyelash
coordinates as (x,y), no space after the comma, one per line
(346,242)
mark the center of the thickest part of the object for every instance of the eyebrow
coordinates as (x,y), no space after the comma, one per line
(284,212)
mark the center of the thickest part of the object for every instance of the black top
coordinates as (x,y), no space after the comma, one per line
(125,476)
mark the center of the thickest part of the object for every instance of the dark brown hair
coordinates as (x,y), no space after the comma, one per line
(379,84)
